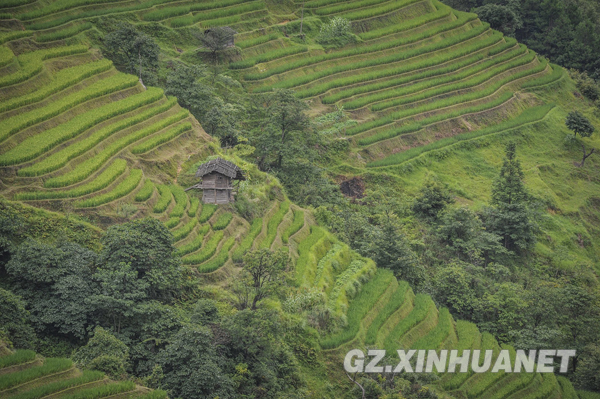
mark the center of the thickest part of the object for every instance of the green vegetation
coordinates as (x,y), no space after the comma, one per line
(423,305)
(121,190)
(146,192)
(397,299)
(207,251)
(172,222)
(246,244)
(296,225)
(50,366)
(185,230)
(181,201)
(194,204)
(64,33)
(435,337)
(207,17)
(103,390)
(268,56)
(223,221)
(87,377)
(207,211)
(196,243)
(164,200)
(304,249)
(161,138)
(19,357)
(218,260)
(274,224)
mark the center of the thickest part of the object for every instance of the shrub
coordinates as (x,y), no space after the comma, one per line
(92,164)
(196,243)
(185,230)
(124,188)
(161,138)
(20,356)
(207,212)
(223,221)
(274,223)
(49,388)
(59,159)
(359,307)
(64,33)
(116,169)
(397,299)
(50,366)
(207,252)
(294,227)
(336,33)
(40,143)
(181,201)
(164,199)
(246,244)
(194,204)
(146,192)
(218,260)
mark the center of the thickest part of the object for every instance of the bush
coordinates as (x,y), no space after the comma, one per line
(164,199)
(294,227)
(207,252)
(223,221)
(124,188)
(336,33)
(59,159)
(218,260)
(207,211)
(87,167)
(146,192)
(246,243)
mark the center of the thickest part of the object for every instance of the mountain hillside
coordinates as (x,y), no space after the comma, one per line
(428,90)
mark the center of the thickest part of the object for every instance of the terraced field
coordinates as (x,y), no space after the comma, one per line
(25,375)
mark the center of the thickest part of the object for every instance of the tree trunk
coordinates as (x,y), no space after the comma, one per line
(360,386)
(585,156)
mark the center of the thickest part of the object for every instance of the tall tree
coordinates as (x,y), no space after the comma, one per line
(508,188)
(216,40)
(581,125)
(261,277)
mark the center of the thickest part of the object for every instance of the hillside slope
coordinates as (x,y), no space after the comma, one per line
(432,89)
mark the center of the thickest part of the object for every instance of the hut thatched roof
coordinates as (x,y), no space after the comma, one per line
(221,166)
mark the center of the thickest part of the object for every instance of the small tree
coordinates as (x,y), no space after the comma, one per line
(581,125)
(261,277)
(508,188)
(216,40)
(103,352)
(433,199)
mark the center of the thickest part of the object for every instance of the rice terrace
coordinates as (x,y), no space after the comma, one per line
(221,199)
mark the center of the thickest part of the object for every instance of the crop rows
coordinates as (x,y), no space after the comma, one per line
(423,305)
(304,249)
(518,382)
(441,80)
(370,61)
(218,260)
(556,74)
(376,11)
(34,146)
(6,56)
(32,63)
(568,392)
(530,115)
(467,84)
(438,334)
(124,188)
(50,366)
(274,223)
(348,282)
(19,357)
(268,56)
(207,252)
(294,227)
(446,102)
(161,138)
(415,126)
(169,12)
(111,173)
(412,23)
(222,221)
(87,377)
(185,230)
(60,158)
(244,44)
(468,339)
(102,391)
(59,6)
(89,166)
(246,244)
(146,191)
(359,307)
(64,33)
(172,222)
(326,263)
(430,65)
(397,299)
(181,201)
(207,211)
(196,243)
(346,7)
(320,3)
(194,204)
(480,383)
(13,35)
(217,14)
(588,395)
(60,81)
(164,200)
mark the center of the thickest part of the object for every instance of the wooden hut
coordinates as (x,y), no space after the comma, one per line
(217,181)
